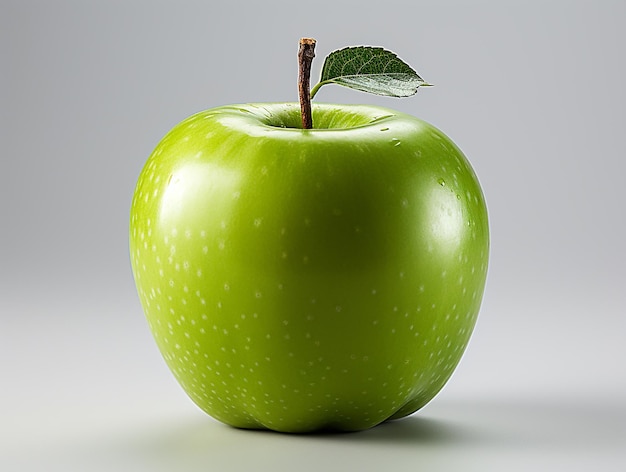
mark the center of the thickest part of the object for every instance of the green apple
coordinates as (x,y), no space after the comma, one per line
(305,279)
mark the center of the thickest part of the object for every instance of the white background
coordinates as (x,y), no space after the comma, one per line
(532,91)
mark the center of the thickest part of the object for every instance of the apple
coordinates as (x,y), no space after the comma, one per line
(306,279)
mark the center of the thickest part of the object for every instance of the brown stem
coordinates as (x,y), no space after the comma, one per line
(306,53)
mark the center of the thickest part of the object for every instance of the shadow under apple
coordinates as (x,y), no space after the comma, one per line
(444,435)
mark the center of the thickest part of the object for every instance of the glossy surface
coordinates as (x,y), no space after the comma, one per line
(305,279)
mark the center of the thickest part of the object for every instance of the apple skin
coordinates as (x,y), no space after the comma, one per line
(302,280)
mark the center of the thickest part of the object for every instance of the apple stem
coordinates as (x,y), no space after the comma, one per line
(306,53)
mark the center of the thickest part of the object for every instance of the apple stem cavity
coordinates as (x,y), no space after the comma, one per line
(306,53)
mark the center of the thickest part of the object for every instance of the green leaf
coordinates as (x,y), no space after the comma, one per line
(370,69)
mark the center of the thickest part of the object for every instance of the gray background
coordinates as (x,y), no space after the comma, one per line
(532,91)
